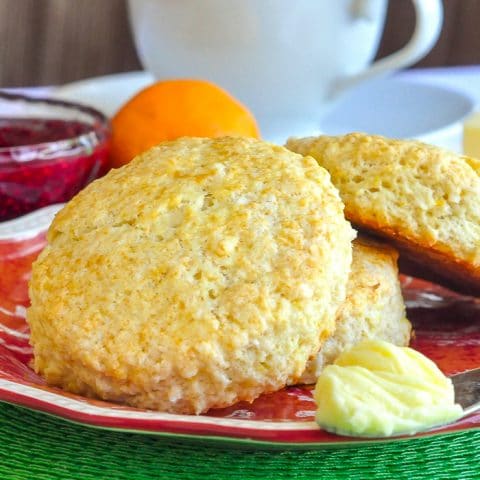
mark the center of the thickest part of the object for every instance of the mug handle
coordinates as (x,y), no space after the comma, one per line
(428,25)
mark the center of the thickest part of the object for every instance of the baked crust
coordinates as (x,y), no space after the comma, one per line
(205,272)
(422,199)
(373,309)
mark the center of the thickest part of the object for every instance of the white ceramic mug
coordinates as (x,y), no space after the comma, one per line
(288,61)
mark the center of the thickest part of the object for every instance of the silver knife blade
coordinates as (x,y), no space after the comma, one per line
(467,390)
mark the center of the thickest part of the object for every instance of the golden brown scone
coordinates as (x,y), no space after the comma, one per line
(205,272)
(423,199)
(373,308)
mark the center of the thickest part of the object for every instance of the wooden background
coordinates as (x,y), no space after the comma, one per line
(57,41)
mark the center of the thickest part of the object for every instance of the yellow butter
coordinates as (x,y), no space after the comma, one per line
(379,389)
(471,135)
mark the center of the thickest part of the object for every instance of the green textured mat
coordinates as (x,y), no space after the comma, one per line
(36,446)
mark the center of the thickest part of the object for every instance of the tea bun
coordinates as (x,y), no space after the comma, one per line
(374,307)
(423,199)
(205,272)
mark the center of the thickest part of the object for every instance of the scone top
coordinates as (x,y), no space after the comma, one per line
(204,272)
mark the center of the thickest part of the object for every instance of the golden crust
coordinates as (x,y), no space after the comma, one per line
(421,198)
(205,272)
(373,308)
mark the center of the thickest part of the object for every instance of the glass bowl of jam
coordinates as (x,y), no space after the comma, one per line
(49,150)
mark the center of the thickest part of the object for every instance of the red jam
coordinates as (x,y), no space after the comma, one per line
(28,131)
(46,161)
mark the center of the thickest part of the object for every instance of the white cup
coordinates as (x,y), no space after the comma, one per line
(287,60)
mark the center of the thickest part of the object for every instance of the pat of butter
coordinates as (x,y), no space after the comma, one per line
(471,135)
(378,389)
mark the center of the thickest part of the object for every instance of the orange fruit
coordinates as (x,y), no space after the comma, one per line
(175,108)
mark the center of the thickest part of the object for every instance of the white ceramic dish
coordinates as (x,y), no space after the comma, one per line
(402,108)
(395,106)
(105,93)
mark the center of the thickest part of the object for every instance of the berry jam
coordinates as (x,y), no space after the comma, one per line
(45,161)
(15,132)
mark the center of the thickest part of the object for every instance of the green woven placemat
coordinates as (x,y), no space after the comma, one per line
(39,447)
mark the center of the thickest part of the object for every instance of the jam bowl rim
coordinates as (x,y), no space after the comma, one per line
(98,132)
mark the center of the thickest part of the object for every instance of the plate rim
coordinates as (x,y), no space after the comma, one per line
(246,442)
(401,78)
(232,435)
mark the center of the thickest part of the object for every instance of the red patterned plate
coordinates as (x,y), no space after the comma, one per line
(447,330)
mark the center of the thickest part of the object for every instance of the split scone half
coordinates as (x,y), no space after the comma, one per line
(423,199)
(373,309)
(204,272)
